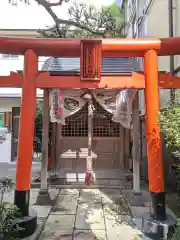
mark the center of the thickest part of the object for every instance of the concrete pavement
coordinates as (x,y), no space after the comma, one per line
(84,214)
(9,169)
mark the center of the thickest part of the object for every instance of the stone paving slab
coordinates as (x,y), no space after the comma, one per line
(42,211)
(110,191)
(65,204)
(90,235)
(115,205)
(108,198)
(60,223)
(142,200)
(57,235)
(69,192)
(90,195)
(90,216)
(120,227)
(139,211)
(35,192)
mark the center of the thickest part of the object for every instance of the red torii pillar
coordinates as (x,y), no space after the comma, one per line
(26,133)
(153,138)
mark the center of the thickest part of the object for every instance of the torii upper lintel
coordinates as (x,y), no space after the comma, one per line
(71,47)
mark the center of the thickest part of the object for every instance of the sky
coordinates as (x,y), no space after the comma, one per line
(33,16)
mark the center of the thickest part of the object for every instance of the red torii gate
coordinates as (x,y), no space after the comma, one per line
(90,53)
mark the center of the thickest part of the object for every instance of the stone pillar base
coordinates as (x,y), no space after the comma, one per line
(154,229)
(44,198)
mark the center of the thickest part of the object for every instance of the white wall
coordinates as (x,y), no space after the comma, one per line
(155,25)
(11,97)
(14,64)
(176,13)
(10,64)
(6,104)
(158,27)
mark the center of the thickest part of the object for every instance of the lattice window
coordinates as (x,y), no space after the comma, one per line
(103,126)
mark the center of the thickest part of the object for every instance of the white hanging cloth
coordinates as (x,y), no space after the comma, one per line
(106,98)
(64,103)
(123,112)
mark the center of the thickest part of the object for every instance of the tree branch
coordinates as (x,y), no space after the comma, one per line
(59,21)
(59,3)
(85,19)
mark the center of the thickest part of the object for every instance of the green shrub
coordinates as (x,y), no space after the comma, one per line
(169,119)
(8,213)
(170,125)
(37,145)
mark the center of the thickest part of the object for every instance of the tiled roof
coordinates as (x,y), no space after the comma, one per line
(109,65)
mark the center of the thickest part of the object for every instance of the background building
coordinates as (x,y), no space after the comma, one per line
(153,19)
(10,98)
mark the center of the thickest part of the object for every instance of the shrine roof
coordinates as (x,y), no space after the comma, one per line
(109,65)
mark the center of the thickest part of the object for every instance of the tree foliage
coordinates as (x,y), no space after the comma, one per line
(38,130)
(37,145)
(170,124)
(169,119)
(83,20)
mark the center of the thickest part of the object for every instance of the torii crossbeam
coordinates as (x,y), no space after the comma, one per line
(90,53)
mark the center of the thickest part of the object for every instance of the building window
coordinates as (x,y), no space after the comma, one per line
(9,56)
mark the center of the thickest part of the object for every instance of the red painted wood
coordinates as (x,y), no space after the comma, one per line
(71,47)
(153,138)
(15,80)
(27,117)
(90,60)
(44,80)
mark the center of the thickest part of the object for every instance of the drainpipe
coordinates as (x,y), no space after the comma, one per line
(123,9)
(124,18)
(171,34)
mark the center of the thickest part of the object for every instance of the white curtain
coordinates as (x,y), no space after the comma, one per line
(64,103)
